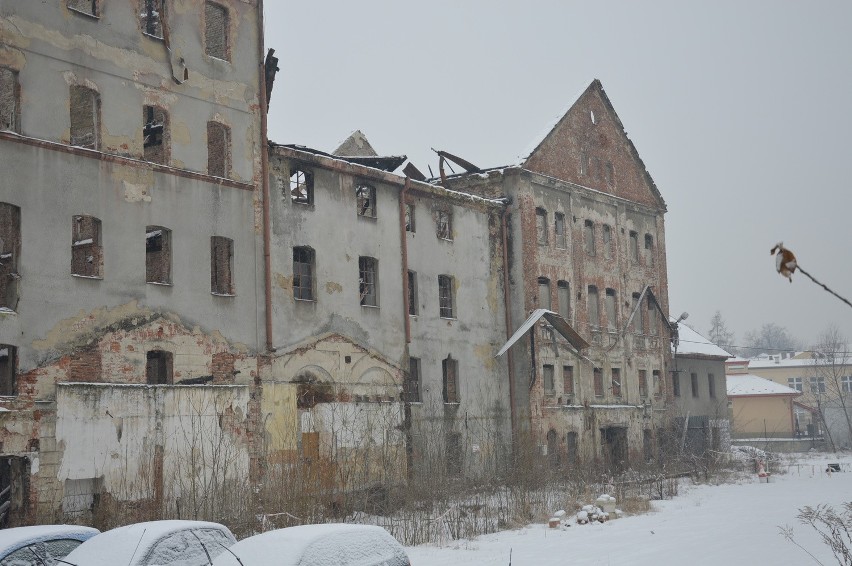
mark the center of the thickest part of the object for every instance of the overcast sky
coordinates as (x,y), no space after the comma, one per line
(741,111)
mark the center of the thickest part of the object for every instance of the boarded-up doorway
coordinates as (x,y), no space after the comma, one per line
(13,490)
(614,446)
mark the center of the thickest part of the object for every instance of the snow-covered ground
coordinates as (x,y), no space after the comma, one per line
(735,523)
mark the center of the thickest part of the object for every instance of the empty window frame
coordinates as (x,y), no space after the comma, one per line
(151,17)
(541,226)
(616,382)
(643,383)
(607,241)
(597,378)
(158,255)
(86,250)
(218,150)
(85,117)
(88,7)
(301,186)
(365,196)
(657,383)
(559,230)
(594,307)
(571,448)
(304,267)
(216,30)
(584,162)
(649,250)
(368,281)
(611,309)
(155,133)
(544,301)
(413,306)
(10,100)
(589,237)
(159,367)
(446,299)
(412,383)
(711,385)
(634,247)
(693,382)
(653,322)
(10,252)
(444,224)
(547,379)
(676,384)
(409,218)
(450,368)
(8,370)
(568,380)
(221,266)
(563,298)
(638,314)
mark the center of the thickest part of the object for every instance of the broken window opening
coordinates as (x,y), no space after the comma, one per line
(544,293)
(649,250)
(638,315)
(571,448)
(563,296)
(413,307)
(159,367)
(541,226)
(86,250)
(547,379)
(676,385)
(568,380)
(413,381)
(597,374)
(450,369)
(10,100)
(589,237)
(10,251)
(657,383)
(155,133)
(365,195)
(594,307)
(711,385)
(368,281)
(693,378)
(444,224)
(610,309)
(88,7)
(653,323)
(151,18)
(634,247)
(216,30)
(218,150)
(221,266)
(607,241)
(158,255)
(559,229)
(85,119)
(302,186)
(643,383)
(303,273)
(616,382)
(8,370)
(409,218)
(445,296)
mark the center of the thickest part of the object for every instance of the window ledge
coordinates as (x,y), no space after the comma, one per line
(413,315)
(415,402)
(308,205)
(215,294)
(445,239)
(370,306)
(453,403)
(79,276)
(448,318)
(82,13)
(309,301)
(7,311)
(160,283)
(217,59)
(366,217)
(152,36)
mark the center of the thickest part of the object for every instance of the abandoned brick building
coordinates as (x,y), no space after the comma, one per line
(178,319)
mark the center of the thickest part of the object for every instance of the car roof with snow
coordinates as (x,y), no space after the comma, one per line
(131,544)
(313,545)
(18,537)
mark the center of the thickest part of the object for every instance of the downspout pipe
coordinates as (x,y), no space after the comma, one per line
(406,401)
(264,184)
(507,302)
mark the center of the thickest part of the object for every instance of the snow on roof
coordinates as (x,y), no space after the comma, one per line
(750,384)
(340,544)
(691,342)
(775,362)
(132,543)
(11,539)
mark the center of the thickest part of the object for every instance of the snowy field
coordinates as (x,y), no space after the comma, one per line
(705,525)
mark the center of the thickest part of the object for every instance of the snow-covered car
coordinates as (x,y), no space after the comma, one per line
(317,545)
(41,545)
(155,543)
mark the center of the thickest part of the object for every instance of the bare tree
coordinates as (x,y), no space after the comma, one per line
(770,338)
(832,367)
(719,333)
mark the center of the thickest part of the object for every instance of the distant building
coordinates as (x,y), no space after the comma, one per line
(761,408)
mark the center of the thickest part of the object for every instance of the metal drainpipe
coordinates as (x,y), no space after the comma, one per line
(507,301)
(264,184)
(406,399)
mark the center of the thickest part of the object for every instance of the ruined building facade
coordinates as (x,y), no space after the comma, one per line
(188,313)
